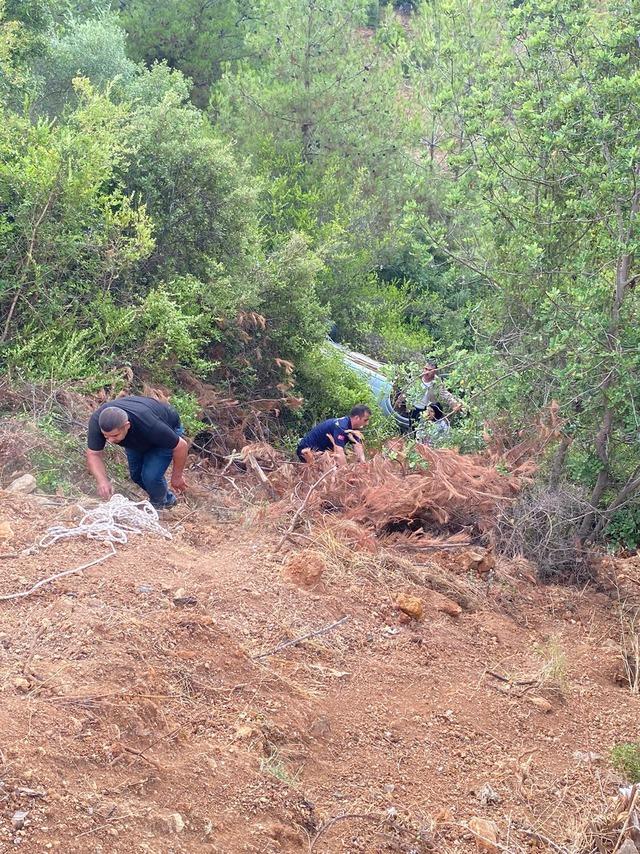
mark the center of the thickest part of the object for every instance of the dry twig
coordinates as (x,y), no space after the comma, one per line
(328,824)
(22,593)
(295,641)
(300,509)
(629,818)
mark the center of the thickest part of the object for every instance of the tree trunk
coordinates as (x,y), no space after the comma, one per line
(559,459)
(307,125)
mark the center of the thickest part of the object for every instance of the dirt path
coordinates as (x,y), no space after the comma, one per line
(133,717)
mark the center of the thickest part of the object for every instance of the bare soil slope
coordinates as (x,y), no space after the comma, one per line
(134,716)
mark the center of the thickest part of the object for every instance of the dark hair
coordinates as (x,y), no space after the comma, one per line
(430,360)
(111,418)
(358,410)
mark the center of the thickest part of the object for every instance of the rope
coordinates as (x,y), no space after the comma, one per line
(111,522)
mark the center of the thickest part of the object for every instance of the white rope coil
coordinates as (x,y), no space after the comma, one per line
(111,522)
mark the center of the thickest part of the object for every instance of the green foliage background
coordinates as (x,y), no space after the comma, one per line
(215,187)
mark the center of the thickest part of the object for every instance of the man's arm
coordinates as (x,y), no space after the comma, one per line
(95,464)
(357,443)
(340,456)
(358,452)
(179,461)
(452,403)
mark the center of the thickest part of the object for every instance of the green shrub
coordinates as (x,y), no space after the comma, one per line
(55,457)
(189,410)
(626,759)
(623,531)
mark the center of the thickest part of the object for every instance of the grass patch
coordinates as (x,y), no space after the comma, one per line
(553,673)
(275,767)
(625,758)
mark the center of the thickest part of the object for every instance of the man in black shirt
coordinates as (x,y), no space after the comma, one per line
(334,434)
(151,435)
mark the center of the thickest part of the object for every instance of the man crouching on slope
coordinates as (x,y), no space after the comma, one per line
(151,435)
(334,434)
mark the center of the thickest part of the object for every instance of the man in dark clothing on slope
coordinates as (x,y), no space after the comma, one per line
(151,435)
(334,434)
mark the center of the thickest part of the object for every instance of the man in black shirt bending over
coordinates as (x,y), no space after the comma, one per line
(334,434)
(151,435)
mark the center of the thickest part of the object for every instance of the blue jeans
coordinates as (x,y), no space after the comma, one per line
(147,470)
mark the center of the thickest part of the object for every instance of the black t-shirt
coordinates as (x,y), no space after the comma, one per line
(153,425)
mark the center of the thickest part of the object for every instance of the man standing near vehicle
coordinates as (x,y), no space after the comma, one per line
(151,435)
(334,434)
(429,397)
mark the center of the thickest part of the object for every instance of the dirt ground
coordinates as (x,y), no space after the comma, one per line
(135,715)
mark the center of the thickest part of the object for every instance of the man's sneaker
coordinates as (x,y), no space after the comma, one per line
(170,502)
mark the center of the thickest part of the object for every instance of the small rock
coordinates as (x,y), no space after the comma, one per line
(70,513)
(445,605)
(167,821)
(320,727)
(181,600)
(45,500)
(628,848)
(488,796)
(486,834)
(587,757)
(22,792)
(18,819)
(6,532)
(144,589)
(411,605)
(305,568)
(178,822)
(21,684)
(23,485)
(477,560)
(243,732)
(541,703)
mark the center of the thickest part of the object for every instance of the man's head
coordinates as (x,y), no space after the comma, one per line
(360,416)
(114,424)
(430,369)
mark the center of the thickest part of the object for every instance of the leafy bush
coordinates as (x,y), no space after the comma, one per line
(94,48)
(189,411)
(626,759)
(296,321)
(67,232)
(199,196)
(624,528)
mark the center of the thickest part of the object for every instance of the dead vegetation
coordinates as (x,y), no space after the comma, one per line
(616,830)
(419,499)
(542,526)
